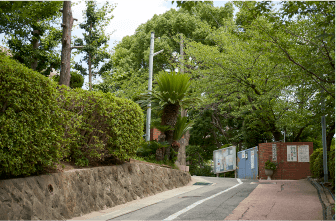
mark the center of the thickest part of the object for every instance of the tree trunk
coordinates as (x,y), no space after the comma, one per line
(276,135)
(297,137)
(169,117)
(183,142)
(90,73)
(66,44)
(36,44)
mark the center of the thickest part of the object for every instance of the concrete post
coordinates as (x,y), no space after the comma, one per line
(151,55)
(324,143)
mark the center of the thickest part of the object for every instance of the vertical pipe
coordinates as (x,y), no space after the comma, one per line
(181,54)
(148,118)
(324,142)
(325,155)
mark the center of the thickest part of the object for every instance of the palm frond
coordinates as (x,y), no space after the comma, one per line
(181,127)
(172,89)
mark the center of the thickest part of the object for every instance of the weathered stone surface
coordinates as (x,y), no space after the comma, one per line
(78,192)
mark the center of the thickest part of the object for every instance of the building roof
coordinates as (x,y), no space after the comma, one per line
(6,50)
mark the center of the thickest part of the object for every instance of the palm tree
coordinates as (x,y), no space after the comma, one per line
(170,95)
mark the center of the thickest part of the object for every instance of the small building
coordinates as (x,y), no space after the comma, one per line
(293,159)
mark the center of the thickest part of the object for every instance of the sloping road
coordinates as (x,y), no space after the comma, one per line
(207,203)
(225,199)
(201,202)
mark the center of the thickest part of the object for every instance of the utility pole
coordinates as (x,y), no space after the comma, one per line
(181,152)
(89,63)
(151,55)
(181,54)
(324,142)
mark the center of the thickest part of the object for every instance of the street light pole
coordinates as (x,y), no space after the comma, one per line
(324,143)
(151,55)
(148,117)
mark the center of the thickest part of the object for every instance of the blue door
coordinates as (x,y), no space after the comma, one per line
(247,161)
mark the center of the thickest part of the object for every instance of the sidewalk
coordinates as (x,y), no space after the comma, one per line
(280,200)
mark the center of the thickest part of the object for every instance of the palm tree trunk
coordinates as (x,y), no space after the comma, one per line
(169,117)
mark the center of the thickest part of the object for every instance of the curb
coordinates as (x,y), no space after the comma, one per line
(323,196)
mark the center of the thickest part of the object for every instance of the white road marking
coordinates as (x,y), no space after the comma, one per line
(175,215)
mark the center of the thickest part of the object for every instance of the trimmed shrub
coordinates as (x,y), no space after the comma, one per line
(106,126)
(149,148)
(205,170)
(318,165)
(31,135)
(313,156)
(331,166)
(76,80)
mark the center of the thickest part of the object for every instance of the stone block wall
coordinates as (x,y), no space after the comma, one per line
(73,193)
(287,170)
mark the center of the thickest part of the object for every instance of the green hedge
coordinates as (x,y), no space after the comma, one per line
(331,166)
(105,125)
(31,135)
(76,80)
(41,125)
(313,156)
(316,164)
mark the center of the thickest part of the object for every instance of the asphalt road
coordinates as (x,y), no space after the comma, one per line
(210,202)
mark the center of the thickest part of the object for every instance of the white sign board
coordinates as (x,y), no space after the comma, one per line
(252,158)
(274,152)
(303,153)
(291,153)
(224,159)
(243,154)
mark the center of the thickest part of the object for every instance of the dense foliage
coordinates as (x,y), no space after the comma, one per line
(41,125)
(316,163)
(33,32)
(105,126)
(31,135)
(129,76)
(76,80)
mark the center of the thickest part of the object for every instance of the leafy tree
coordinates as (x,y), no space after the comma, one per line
(237,80)
(76,79)
(189,5)
(29,28)
(129,76)
(300,35)
(95,40)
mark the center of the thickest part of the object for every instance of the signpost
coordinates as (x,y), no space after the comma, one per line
(224,160)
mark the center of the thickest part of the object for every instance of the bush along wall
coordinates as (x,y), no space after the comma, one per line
(316,164)
(31,132)
(105,126)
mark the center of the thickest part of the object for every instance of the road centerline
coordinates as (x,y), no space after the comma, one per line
(175,215)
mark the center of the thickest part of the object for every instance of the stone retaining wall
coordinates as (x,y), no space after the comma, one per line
(77,192)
